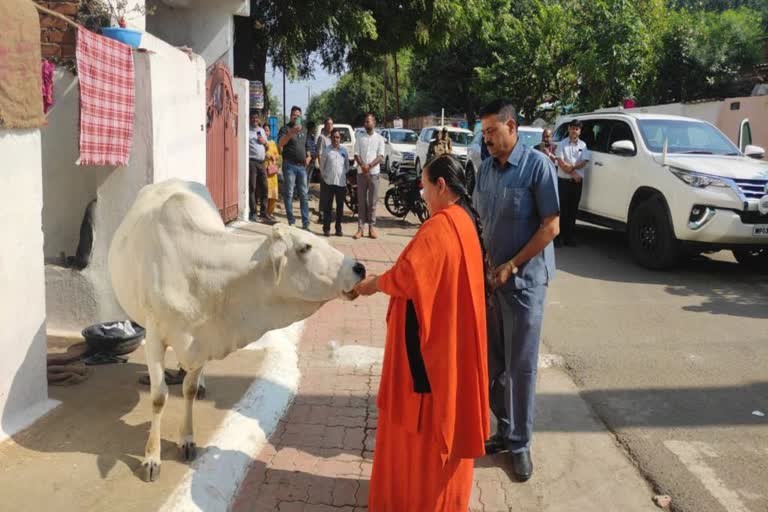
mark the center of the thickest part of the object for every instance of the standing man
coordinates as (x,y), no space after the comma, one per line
(369,152)
(312,148)
(292,140)
(516,198)
(334,164)
(257,174)
(572,156)
(323,141)
(546,145)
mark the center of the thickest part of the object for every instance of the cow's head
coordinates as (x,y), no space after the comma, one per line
(307,268)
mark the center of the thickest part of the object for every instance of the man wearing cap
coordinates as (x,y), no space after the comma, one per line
(572,156)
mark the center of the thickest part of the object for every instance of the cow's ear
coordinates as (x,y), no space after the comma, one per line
(279,232)
(277,257)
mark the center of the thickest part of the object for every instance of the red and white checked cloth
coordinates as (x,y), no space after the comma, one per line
(105,70)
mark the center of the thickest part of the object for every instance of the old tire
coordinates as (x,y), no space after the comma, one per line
(754,259)
(651,237)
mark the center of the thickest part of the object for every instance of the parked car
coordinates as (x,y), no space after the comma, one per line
(348,141)
(460,140)
(400,147)
(676,185)
(528,135)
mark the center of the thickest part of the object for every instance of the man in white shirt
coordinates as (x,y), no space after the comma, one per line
(369,152)
(334,164)
(323,141)
(572,156)
(257,175)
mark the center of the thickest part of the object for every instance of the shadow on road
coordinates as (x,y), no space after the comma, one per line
(723,286)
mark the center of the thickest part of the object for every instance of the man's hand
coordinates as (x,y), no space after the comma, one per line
(365,169)
(296,129)
(367,286)
(502,274)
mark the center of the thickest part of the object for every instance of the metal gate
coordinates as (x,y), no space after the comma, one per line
(221,143)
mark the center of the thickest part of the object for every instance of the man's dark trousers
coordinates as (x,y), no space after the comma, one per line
(333,192)
(570,197)
(514,329)
(258,180)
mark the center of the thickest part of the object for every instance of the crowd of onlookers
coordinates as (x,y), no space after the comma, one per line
(302,152)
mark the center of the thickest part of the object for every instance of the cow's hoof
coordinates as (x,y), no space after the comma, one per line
(200,392)
(150,470)
(188,451)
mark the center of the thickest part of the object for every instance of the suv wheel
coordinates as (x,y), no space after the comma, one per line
(386,165)
(756,259)
(418,167)
(651,238)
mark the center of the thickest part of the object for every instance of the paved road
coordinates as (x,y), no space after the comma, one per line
(674,363)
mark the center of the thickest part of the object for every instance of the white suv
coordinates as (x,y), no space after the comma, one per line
(700,195)
(461,138)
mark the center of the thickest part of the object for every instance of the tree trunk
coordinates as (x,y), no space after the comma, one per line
(397,89)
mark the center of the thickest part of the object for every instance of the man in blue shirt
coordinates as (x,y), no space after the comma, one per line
(516,197)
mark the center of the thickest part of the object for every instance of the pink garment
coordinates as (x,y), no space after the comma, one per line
(48,68)
(105,70)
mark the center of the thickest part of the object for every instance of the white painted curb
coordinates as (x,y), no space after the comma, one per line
(212,481)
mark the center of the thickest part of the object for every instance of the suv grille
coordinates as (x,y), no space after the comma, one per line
(753,218)
(752,189)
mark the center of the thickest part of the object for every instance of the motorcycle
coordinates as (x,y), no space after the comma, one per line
(350,198)
(404,195)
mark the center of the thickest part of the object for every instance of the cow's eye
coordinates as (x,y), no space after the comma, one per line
(304,249)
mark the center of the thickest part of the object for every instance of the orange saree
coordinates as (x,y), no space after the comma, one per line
(433,397)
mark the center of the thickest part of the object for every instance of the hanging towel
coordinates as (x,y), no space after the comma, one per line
(20,83)
(105,70)
(48,68)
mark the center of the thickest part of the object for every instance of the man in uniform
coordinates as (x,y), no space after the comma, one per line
(516,198)
(572,156)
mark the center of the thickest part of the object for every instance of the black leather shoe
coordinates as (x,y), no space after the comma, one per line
(495,445)
(522,466)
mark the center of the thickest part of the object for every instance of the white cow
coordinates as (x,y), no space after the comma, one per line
(206,291)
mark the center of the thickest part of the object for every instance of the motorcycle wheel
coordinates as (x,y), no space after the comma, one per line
(394,203)
(350,199)
(422,212)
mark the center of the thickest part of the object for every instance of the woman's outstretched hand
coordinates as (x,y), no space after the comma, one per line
(367,286)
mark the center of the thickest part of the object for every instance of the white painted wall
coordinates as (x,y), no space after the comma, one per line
(240,86)
(23,383)
(67,188)
(205,26)
(168,141)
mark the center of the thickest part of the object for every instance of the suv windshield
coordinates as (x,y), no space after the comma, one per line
(402,137)
(345,135)
(461,138)
(692,137)
(529,138)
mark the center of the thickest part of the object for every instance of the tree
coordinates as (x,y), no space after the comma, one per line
(702,54)
(531,51)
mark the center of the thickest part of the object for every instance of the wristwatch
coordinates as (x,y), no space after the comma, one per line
(514,267)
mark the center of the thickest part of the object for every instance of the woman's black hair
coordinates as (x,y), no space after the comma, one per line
(450,168)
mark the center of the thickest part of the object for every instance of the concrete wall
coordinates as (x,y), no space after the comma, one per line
(168,141)
(67,188)
(23,384)
(206,27)
(240,86)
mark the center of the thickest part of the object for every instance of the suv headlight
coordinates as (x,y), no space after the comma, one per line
(698,180)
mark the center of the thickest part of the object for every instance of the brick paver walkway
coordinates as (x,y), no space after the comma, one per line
(320,456)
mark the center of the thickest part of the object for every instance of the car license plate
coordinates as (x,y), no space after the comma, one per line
(760,230)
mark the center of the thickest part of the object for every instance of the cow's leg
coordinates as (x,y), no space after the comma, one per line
(201,386)
(191,390)
(159,394)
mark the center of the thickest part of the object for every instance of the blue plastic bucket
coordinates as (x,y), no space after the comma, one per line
(128,36)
